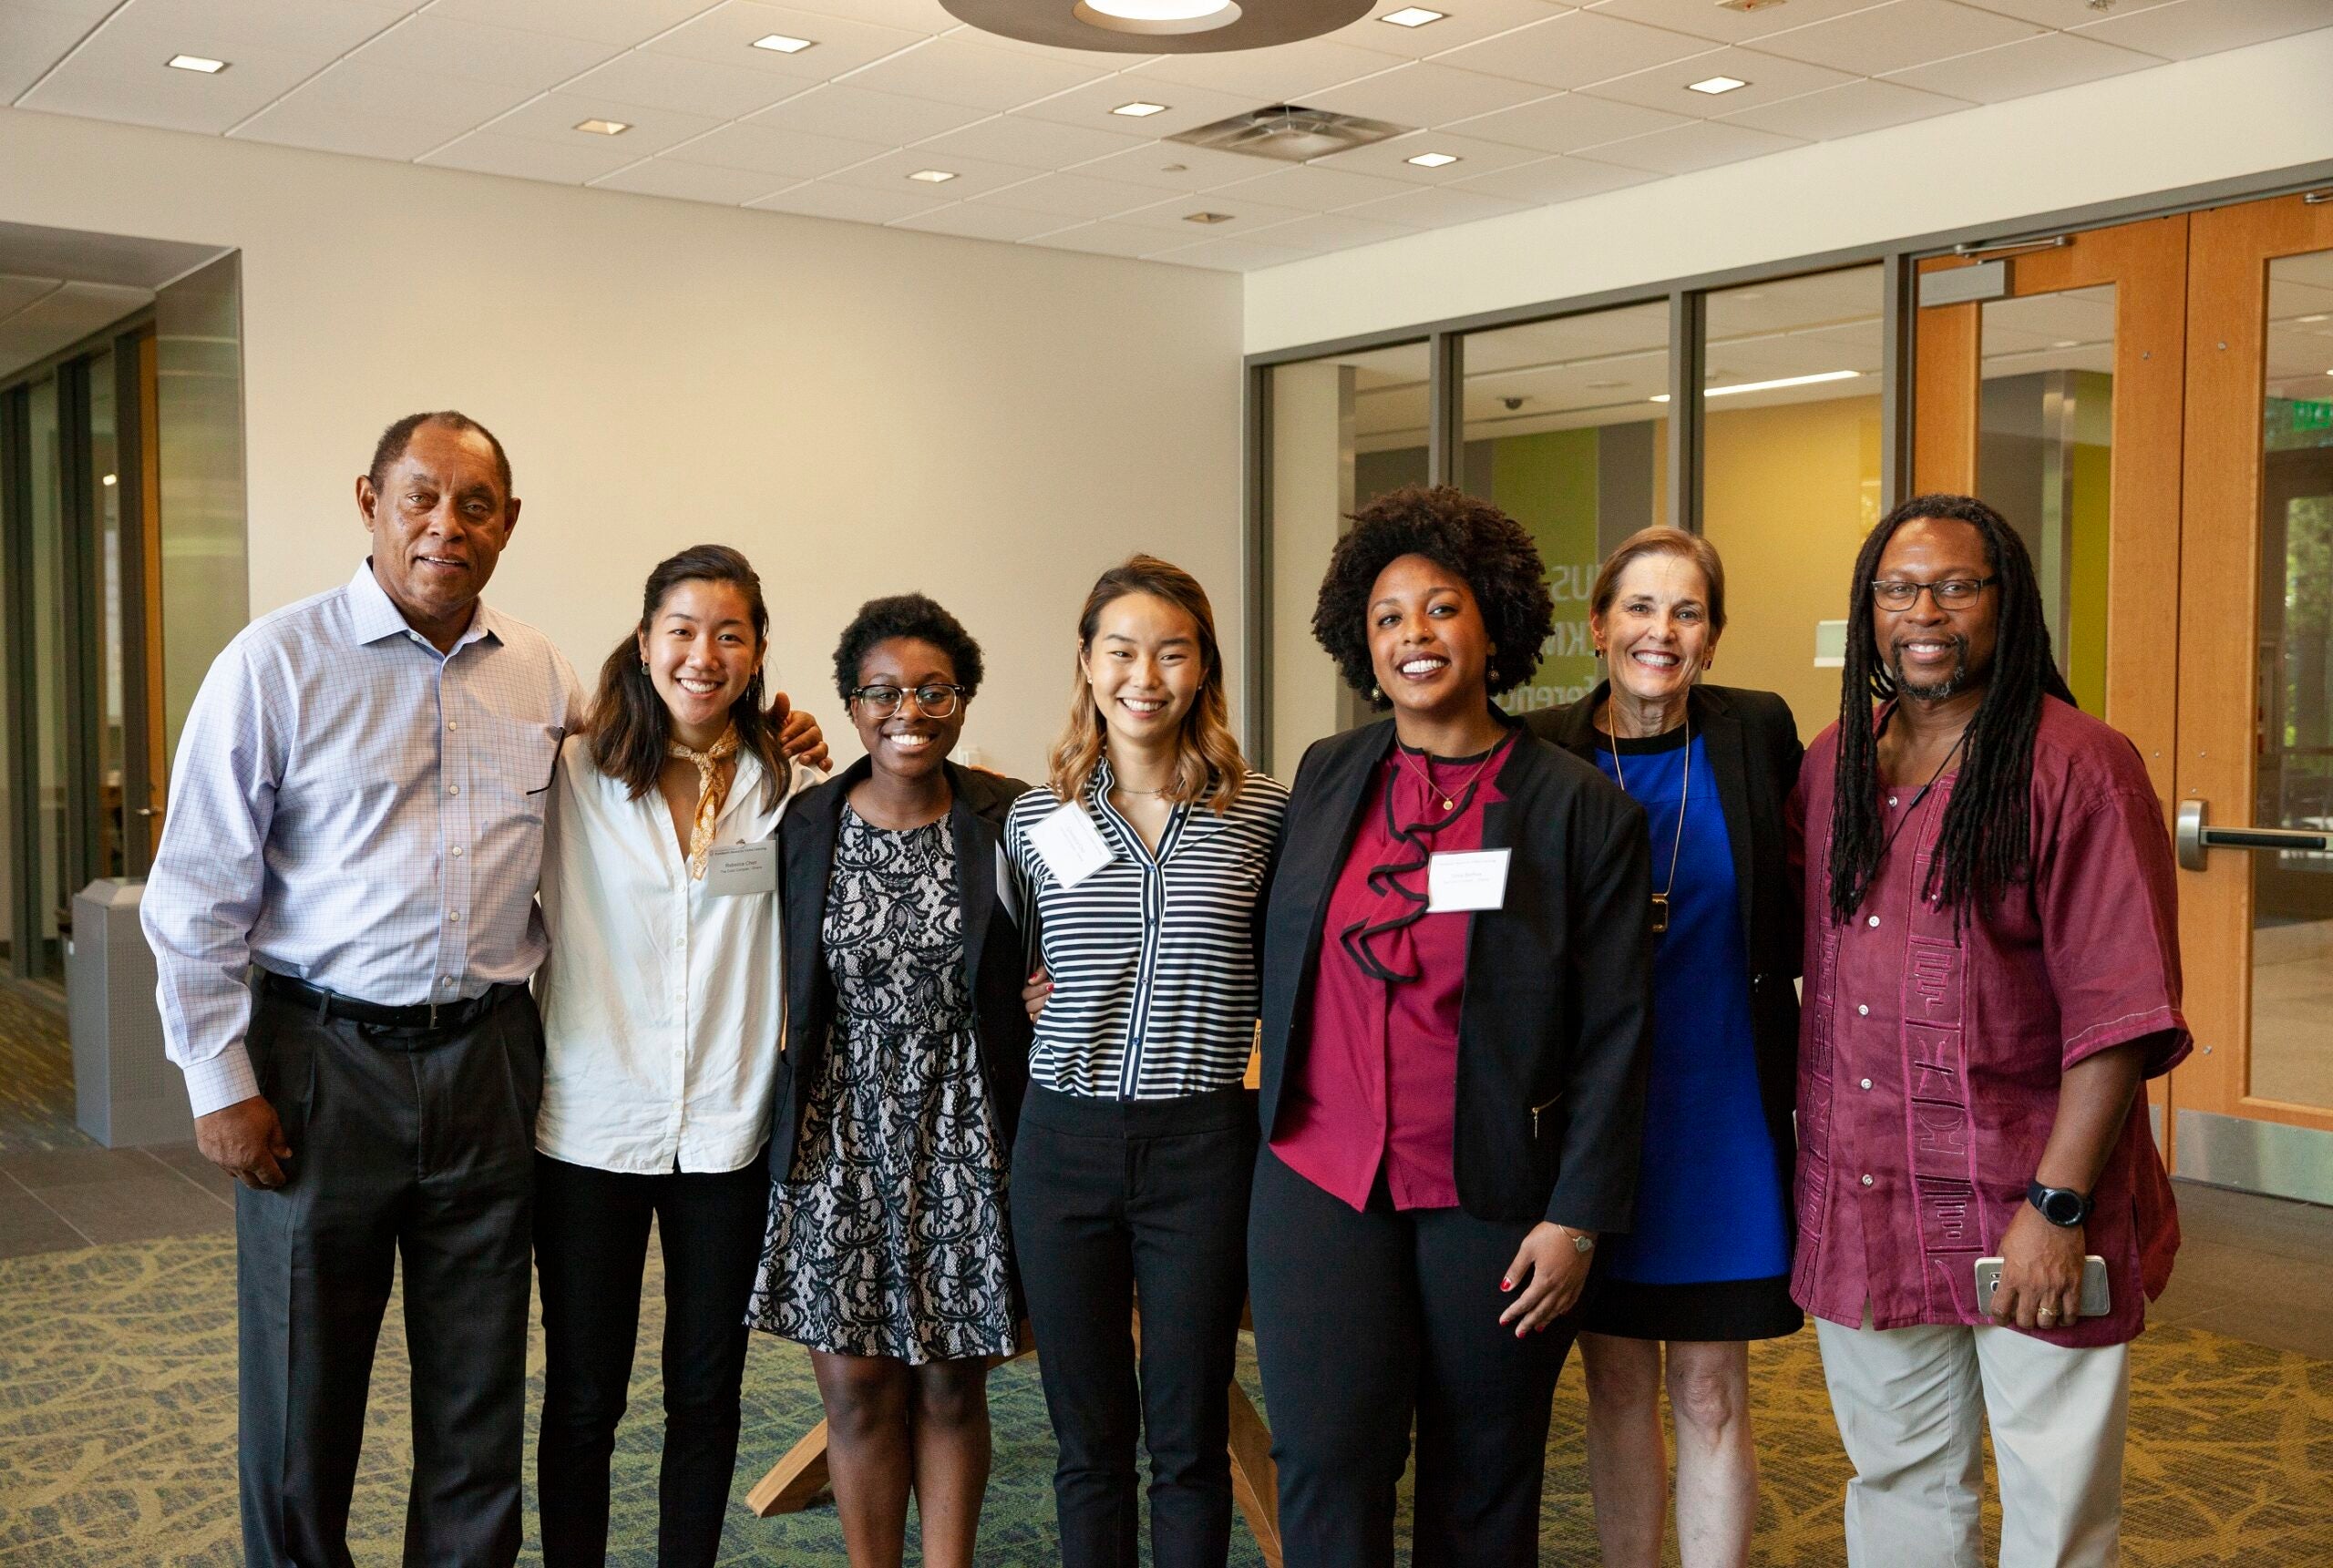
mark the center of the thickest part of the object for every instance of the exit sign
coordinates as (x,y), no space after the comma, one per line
(2313,416)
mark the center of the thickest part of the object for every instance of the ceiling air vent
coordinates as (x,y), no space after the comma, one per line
(1291,134)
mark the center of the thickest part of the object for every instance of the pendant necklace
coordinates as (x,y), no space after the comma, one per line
(1425,774)
(1684,793)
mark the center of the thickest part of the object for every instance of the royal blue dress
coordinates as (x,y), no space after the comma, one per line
(1709,1254)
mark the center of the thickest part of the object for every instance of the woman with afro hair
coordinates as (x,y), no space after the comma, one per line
(1456,1012)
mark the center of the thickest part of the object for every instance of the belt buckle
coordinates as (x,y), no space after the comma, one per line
(432,1012)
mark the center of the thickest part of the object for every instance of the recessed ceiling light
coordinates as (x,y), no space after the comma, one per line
(933,176)
(1604,385)
(109,479)
(1433,159)
(604,126)
(196,63)
(1139,111)
(1413,17)
(2318,317)
(780,43)
(2065,342)
(1206,217)
(1770,385)
(1169,12)
(1715,84)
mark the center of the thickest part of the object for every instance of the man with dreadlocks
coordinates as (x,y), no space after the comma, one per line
(1992,968)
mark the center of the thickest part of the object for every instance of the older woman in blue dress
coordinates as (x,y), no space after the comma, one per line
(1706,1267)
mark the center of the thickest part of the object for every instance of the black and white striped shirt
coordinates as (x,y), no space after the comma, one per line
(1152,956)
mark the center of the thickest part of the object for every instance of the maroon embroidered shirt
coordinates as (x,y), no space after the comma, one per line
(1930,1052)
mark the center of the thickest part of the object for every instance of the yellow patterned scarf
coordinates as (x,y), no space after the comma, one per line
(711,790)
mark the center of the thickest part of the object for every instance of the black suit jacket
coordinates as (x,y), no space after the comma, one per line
(1754,750)
(992,951)
(1556,1025)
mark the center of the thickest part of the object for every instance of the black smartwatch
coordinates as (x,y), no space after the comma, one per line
(2062,1206)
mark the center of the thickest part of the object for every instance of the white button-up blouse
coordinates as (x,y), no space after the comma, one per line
(662,1004)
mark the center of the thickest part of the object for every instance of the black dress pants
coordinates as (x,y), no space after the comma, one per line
(406,1146)
(1111,1197)
(591,1249)
(1363,1320)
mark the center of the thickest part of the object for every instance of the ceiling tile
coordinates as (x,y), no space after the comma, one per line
(766,150)
(1076,196)
(1554,179)
(1574,50)
(2063,13)
(16,292)
(302,120)
(979,221)
(1896,37)
(554,117)
(1567,122)
(527,157)
(1092,59)
(1245,216)
(1171,166)
(1463,24)
(663,81)
(427,45)
(1705,19)
(954,72)
(1031,143)
(1109,239)
(1285,74)
(911,16)
(447,105)
(1850,110)
(1186,108)
(2187,29)
(1231,255)
(1704,144)
(2031,66)
(1331,231)
(690,181)
(219,27)
(725,35)
(1311,187)
(1767,78)
(973,177)
(824,199)
(623,21)
(1391,157)
(1436,208)
(853,113)
(1424,93)
(31,41)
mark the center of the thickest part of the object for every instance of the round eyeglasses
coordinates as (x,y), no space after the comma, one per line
(933,702)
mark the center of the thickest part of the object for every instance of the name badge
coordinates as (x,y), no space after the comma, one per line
(734,870)
(1072,847)
(1467,879)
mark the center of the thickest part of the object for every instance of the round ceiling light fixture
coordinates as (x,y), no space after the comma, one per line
(1158,27)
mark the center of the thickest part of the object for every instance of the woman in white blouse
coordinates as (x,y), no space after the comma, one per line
(662,1004)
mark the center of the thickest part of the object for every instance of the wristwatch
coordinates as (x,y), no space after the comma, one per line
(2062,1206)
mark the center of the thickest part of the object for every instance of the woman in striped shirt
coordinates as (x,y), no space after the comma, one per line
(1144,861)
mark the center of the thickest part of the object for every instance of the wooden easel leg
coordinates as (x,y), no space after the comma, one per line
(795,1482)
(1255,1479)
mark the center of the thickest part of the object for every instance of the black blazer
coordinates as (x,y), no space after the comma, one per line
(1754,750)
(1555,1031)
(805,852)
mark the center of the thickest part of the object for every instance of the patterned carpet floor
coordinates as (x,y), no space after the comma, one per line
(116,1439)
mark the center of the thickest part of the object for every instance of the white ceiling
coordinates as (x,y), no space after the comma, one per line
(1541,100)
(58,286)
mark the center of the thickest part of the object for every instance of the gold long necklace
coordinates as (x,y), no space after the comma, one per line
(1684,793)
(1425,774)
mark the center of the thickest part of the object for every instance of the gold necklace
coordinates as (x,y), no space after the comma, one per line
(1684,793)
(1425,774)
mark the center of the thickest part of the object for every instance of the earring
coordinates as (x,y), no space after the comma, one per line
(1375,696)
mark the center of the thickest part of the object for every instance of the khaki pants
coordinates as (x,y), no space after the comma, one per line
(1912,1404)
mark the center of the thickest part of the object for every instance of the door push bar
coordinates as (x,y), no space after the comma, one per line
(2194,838)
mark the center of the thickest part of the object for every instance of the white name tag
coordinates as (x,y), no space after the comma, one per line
(732,870)
(1072,847)
(1467,879)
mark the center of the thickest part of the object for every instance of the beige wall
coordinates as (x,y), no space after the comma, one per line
(861,410)
(1788,492)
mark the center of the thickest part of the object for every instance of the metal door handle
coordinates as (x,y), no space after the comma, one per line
(2194,838)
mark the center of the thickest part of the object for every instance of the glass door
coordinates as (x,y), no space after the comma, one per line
(2255,700)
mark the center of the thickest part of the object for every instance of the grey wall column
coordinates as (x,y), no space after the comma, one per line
(1899,316)
(18,756)
(1687,353)
(1445,445)
(1255,536)
(136,703)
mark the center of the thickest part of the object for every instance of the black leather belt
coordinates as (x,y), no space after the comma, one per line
(331,1004)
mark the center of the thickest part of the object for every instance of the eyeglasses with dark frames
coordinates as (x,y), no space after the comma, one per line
(1952,593)
(934,700)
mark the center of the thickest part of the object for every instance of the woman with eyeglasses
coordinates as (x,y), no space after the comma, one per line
(1146,858)
(906,1056)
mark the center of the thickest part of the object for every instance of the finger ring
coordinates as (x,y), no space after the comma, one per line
(2045,1312)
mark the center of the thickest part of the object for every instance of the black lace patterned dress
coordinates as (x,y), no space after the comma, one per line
(888,1237)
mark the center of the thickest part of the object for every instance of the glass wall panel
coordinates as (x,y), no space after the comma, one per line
(12,848)
(49,691)
(1565,432)
(1344,430)
(112,836)
(1790,474)
(2292,892)
(205,581)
